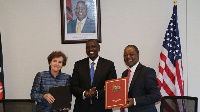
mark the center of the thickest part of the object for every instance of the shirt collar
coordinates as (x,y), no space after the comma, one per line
(134,67)
(95,61)
(83,21)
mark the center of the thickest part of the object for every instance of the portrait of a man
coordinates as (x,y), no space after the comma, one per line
(81,23)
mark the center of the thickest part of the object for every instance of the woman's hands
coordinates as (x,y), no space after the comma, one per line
(49,98)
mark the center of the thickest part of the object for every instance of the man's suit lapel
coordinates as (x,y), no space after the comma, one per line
(135,76)
(125,73)
(98,70)
(73,26)
(89,26)
(87,71)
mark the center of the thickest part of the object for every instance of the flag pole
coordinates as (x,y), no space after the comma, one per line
(175,2)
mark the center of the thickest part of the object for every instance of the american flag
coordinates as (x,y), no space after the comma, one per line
(170,76)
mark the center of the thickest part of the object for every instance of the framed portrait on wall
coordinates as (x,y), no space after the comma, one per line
(80,21)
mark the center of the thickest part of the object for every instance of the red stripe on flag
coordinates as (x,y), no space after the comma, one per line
(179,79)
(167,70)
(170,74)
(161,70)
(167,89)
(163,57)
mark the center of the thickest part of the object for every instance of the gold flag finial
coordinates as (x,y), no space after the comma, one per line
(175,2)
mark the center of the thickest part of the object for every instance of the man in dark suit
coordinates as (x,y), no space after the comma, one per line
(91,97)
(87,25)
(143,91)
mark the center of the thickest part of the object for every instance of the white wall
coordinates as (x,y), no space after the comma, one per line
(31,30)
(193,45)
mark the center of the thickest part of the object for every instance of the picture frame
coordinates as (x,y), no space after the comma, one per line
(71,12)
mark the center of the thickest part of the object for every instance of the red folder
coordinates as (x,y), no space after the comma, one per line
(116,93)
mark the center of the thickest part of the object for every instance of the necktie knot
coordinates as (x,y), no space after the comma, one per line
(79,23)
(128,75)
(129,72)
(92,64)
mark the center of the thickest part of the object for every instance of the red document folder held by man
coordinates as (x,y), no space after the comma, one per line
(116,93)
